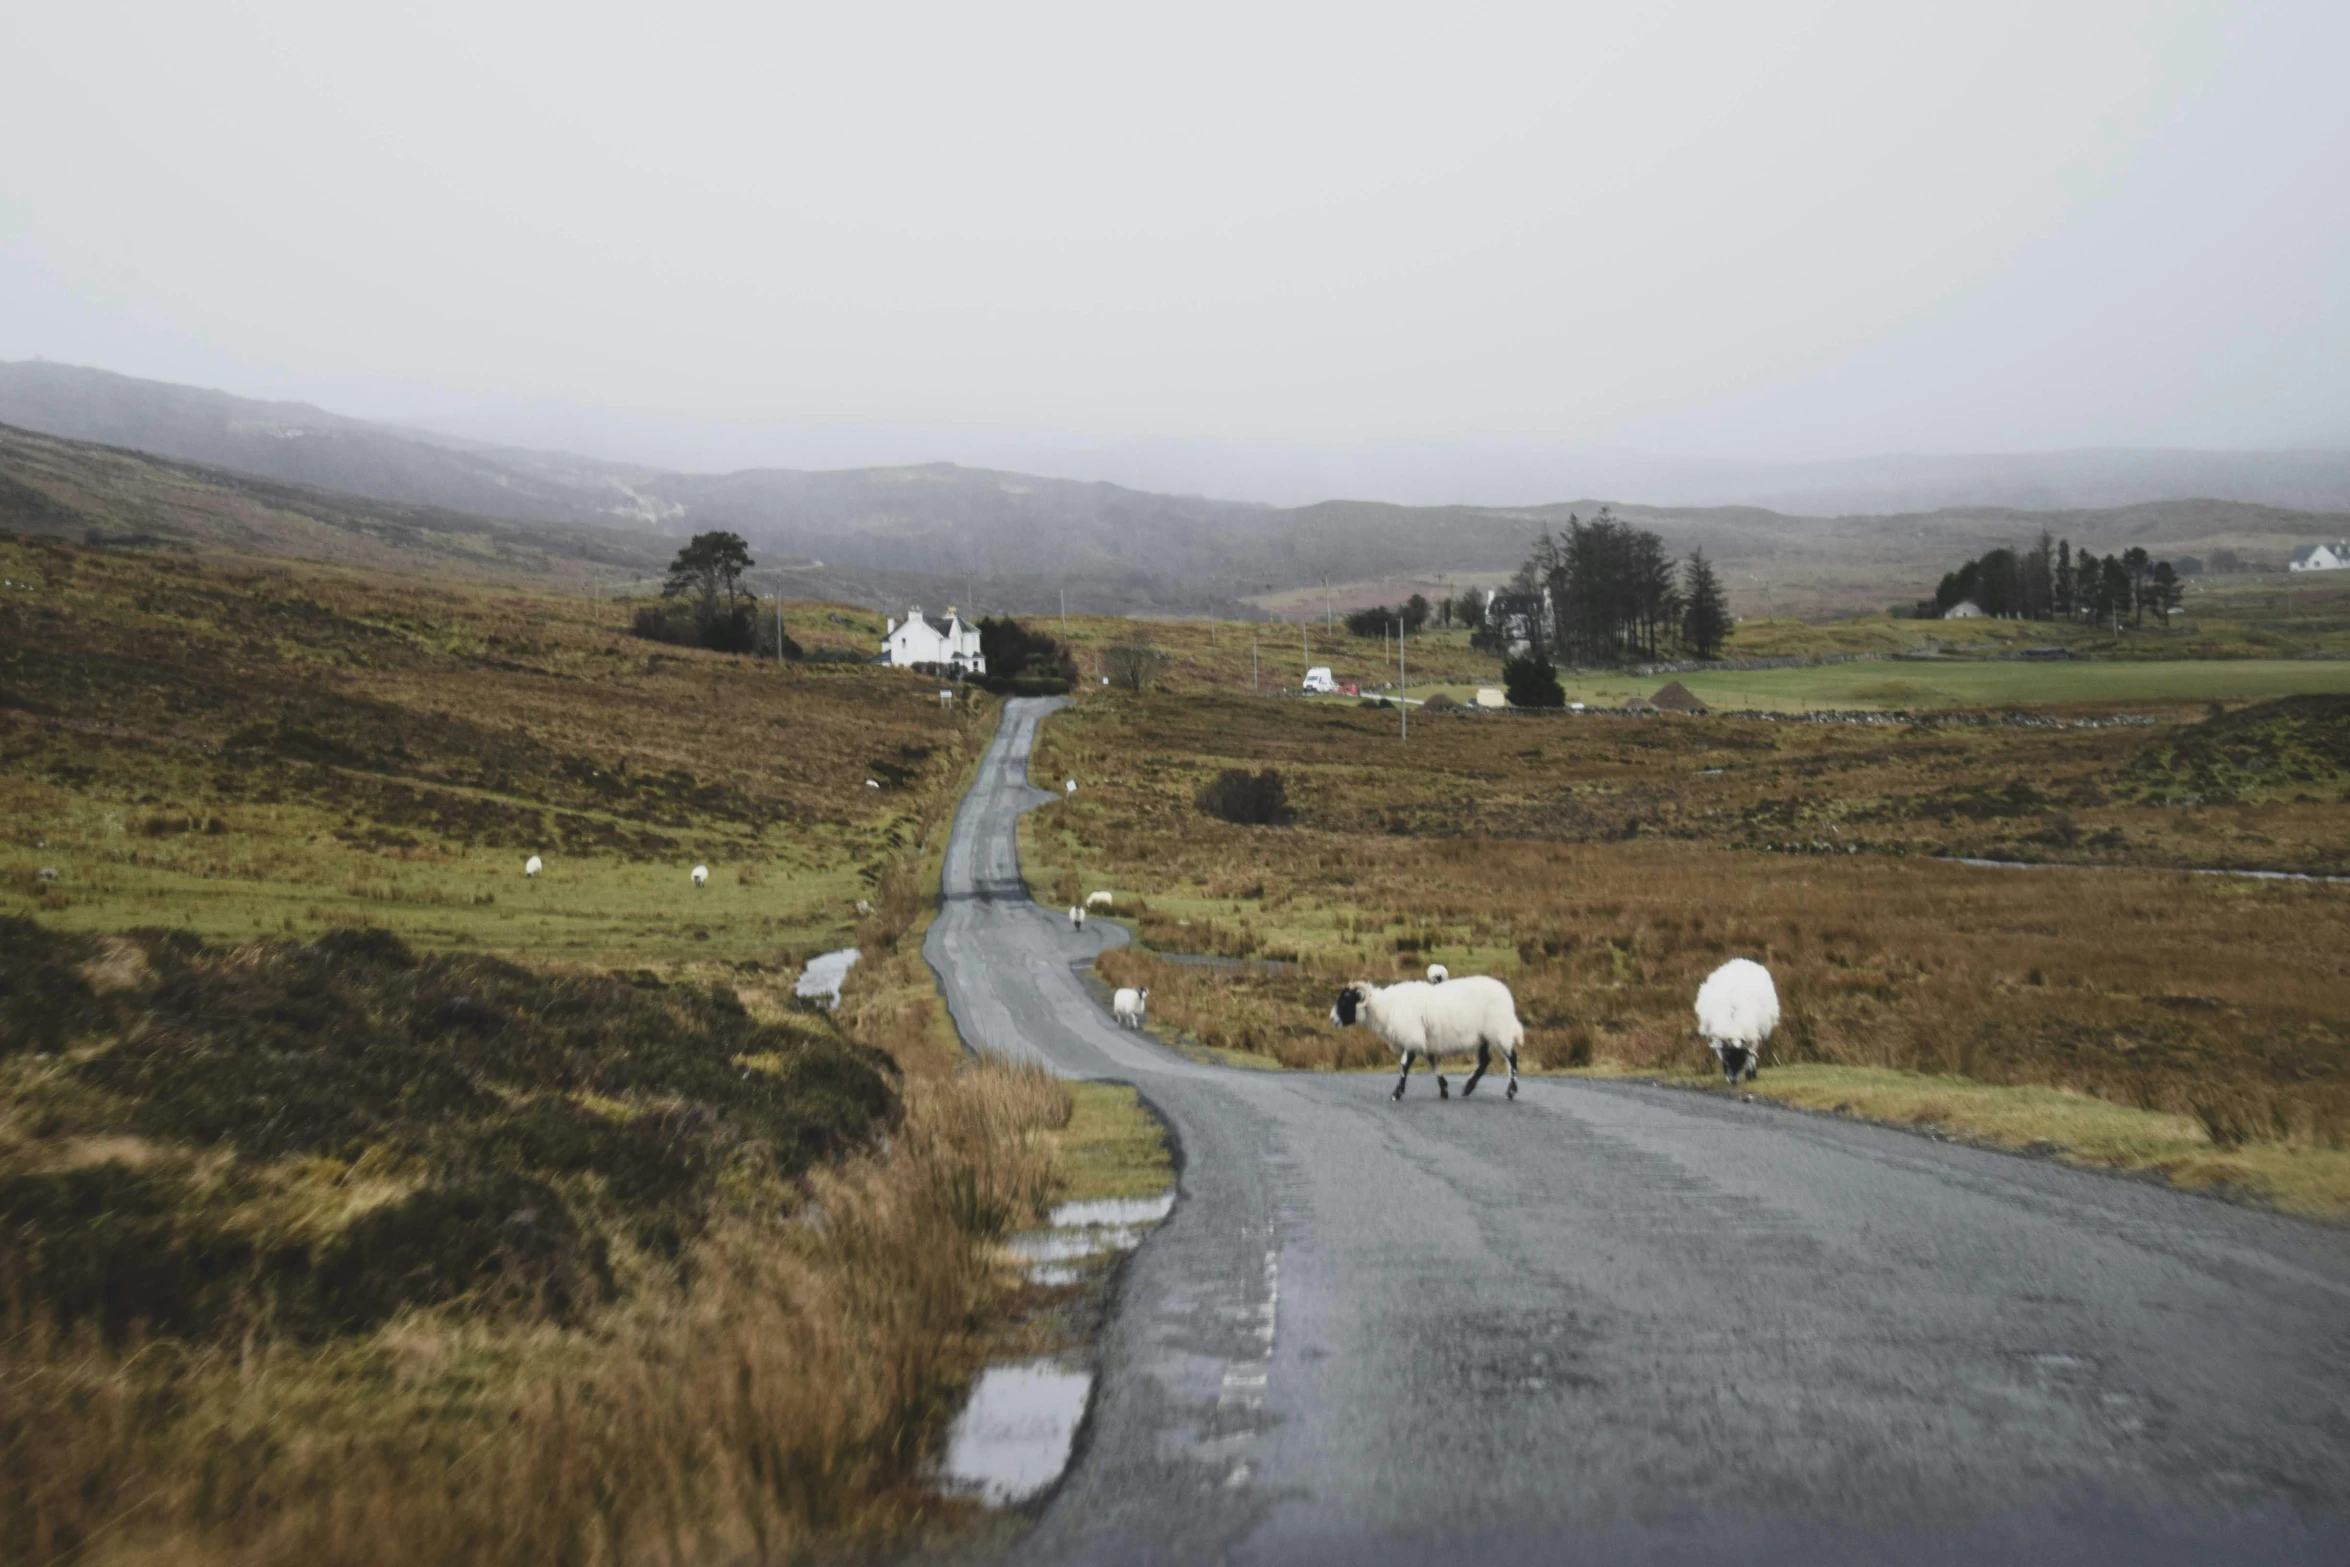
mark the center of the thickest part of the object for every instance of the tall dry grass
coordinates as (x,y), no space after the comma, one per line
(776,1400)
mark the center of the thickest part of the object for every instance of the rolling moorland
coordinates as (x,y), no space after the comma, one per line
(363,1200)
(939,533)
(1602,864)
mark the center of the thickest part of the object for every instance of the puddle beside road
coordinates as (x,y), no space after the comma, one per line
(821,980)
(1015,1436)
(1113,1210)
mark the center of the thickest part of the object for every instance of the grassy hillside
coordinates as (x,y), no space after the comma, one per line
(362,1200)
(108,496)
(1603,865)
(236,749)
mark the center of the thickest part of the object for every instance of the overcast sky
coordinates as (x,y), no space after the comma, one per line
(1746,230)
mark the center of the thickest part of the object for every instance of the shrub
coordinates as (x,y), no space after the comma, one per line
(537,1121)
(1250,800)
(1531,682)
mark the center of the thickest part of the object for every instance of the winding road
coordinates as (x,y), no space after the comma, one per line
(1613,1323)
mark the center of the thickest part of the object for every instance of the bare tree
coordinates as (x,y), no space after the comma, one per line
(1132,665)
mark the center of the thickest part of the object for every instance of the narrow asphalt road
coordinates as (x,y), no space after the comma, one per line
(1610,1323)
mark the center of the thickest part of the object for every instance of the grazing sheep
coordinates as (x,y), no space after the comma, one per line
(1127,1006)
(1420,1019)
(1737,1007)
(701,875)
(1438,973)
(533,865)
(1098,900)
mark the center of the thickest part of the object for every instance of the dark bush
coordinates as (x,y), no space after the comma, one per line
(1529,681)
(1018,657)
(505,1240)
(549,1117)
(1250,800)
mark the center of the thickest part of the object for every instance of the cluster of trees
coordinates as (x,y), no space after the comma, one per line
(704,603)
(1024,662)
(1606,592)
(1466,609)
(1412,614)
(2050,582)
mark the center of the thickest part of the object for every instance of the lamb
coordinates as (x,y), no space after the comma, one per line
(1421,1019)
(533,865)
(1098,900)
(701,875)
(1438,973)
(1737,1008)
(1127,1006)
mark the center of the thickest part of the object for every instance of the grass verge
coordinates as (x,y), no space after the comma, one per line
(2071,1126)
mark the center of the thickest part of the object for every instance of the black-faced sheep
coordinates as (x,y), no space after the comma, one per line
(701,875)
(1127,1006)
(1438,973)
(533,865)
(1451,1019)
(1737,1008)
(1076,917)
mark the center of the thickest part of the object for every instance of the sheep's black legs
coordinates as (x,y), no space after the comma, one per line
(1407,1076)
(1513,1093)
(1484,1059)
(1442,1090)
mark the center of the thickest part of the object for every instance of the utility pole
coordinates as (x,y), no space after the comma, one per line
(1253,688)
(779,619)
(1064,613)
(1403,685)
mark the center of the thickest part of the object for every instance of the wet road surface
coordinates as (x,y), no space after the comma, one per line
(1615,1323)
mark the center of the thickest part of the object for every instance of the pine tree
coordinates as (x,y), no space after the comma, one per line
(1705,613)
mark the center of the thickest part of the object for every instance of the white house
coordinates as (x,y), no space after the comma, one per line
(2321,557)
(1964,609)
(951,644)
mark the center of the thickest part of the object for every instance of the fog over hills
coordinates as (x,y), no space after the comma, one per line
(1876,531)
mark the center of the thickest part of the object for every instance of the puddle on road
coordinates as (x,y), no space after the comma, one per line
(821,979)
(1015,1436)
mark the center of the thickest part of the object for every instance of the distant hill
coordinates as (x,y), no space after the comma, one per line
(111,496)
(985,539)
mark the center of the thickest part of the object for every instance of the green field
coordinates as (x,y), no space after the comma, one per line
(1900,684)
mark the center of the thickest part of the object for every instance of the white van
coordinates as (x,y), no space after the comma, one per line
(1318,681)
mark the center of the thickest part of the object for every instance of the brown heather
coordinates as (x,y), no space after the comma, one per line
(1610,874)
(777,1400)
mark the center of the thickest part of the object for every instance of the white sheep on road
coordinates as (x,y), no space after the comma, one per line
(701,875)
(1127,1006)
(1737,1008)
(1076,917)
(1419,1019)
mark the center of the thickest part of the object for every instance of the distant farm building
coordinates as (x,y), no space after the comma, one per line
(949,645)
(2321,557)
(1964,609)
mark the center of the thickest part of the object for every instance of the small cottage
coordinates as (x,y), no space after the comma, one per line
(2321,557)
(949,645)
